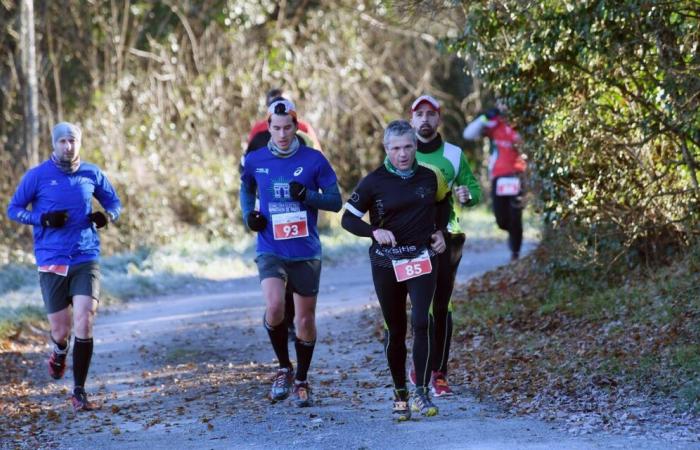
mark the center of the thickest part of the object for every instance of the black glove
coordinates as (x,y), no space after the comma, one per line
(297,191)
(99,218)
(55,219)
(256,221)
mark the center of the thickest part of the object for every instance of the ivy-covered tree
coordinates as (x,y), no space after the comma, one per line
(607,95)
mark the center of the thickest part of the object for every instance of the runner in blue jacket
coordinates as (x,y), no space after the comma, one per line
(293,183)
(55,197)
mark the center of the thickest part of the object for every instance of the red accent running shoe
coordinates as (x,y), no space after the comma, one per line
(281,384)
(57,363)
(439,385)
(301,394)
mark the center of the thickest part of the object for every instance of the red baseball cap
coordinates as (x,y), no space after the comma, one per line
(426,99)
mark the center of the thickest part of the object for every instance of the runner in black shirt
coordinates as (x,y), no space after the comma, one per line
(405,227)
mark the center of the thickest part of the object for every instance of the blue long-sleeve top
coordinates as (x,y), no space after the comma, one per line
(329,199)
(48,189)
(269,176)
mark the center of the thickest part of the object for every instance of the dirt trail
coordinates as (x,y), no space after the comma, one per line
(193,372)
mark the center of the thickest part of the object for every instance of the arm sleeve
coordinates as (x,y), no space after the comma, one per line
(248,190)
(107,196)
(328,199)
(23,196)
(355,209)
(355,225)
(472,132)
(247,199)
(465,177)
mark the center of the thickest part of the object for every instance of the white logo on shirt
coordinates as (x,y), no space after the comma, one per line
(264,170)
(54,183)
(281,190)
(298,171)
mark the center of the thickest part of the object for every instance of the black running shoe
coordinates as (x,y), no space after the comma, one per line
(57,363)
(420,402)
(301,394)
(281,384)
(401,411)
(81,402)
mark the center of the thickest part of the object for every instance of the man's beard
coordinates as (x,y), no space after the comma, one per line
(66,164)
(426,131)
(69,159)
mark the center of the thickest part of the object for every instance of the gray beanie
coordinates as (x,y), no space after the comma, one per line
(65,129)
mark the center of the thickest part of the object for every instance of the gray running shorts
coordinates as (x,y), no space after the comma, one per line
(303,276)
(58,291)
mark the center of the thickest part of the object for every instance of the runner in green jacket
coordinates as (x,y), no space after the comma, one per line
(454,175)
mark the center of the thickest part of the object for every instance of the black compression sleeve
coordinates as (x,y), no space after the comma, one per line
(356,225)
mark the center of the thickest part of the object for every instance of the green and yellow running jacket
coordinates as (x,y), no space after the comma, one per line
(452,170)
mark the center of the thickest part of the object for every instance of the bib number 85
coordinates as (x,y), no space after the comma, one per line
(405,269)
(413,269)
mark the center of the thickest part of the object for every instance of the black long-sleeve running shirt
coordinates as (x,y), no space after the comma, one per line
(406,207)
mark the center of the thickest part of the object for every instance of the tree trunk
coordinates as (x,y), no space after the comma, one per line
(29,83)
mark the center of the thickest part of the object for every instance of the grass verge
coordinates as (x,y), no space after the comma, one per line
(532,336)
(13,320)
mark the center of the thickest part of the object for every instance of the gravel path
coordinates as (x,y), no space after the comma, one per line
(193,372)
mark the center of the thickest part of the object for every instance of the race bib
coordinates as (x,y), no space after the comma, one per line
(507,186)
(54,268)
(290,225)
(405,269)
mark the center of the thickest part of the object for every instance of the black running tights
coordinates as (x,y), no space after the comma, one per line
(392,299)
(442,305)
(508,210)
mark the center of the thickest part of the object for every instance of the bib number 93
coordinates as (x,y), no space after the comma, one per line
(290,225)
(290,230)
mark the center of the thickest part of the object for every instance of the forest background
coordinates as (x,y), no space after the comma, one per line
(605,93)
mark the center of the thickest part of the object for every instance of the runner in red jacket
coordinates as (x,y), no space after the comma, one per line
(506,169)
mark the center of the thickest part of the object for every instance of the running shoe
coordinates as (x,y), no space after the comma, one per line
(57,363)
(301,394)
(439,385)
(281,383)
(401,411)
(80,401)
(420,402)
